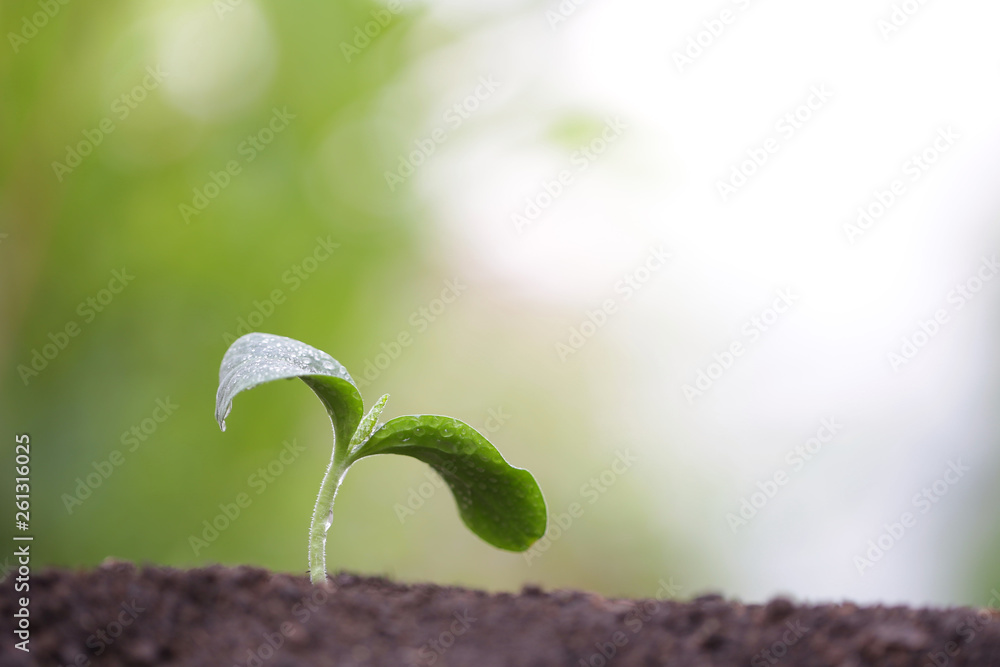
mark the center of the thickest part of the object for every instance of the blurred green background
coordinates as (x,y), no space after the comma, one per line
(247,138)
(162,338)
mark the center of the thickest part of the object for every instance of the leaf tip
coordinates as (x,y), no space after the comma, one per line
(221,412)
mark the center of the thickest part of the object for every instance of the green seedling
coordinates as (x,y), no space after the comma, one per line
(501,504)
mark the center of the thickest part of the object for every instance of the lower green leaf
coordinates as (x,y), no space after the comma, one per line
(498,502)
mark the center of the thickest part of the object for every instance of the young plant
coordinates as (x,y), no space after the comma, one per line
(501,504)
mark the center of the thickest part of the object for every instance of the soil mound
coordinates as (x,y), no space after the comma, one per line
(118,614)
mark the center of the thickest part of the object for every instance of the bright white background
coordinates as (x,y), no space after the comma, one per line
(785,229)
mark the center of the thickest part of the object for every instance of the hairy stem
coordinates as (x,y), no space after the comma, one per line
(323,513)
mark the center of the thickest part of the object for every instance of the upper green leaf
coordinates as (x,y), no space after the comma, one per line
(500,503)
(257,358)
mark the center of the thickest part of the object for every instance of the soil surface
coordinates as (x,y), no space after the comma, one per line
(118,614)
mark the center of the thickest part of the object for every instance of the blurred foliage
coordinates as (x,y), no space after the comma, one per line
(200,273)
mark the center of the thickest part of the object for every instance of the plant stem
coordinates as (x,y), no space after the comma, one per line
(323,511)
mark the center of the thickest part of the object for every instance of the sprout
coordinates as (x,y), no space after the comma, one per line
(498,502)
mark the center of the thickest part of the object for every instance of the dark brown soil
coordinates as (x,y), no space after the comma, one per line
(121,615)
